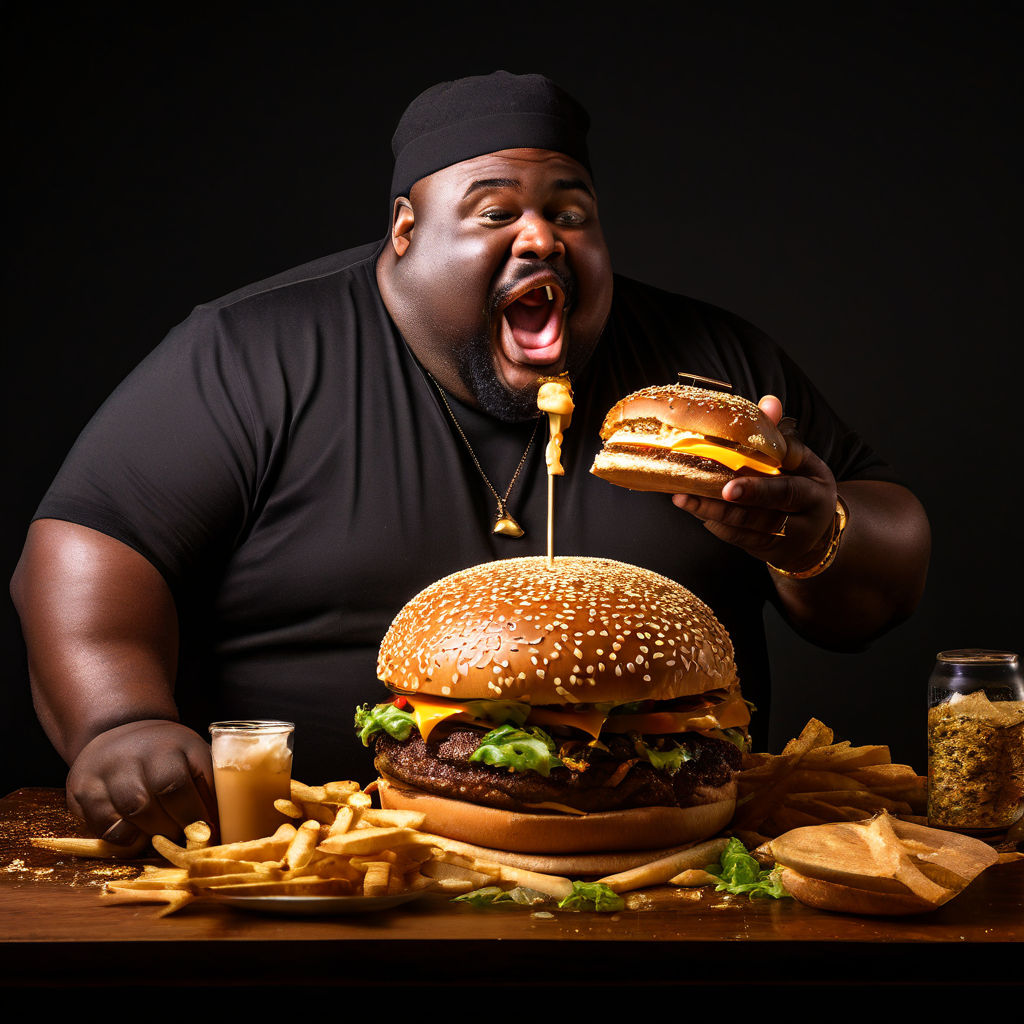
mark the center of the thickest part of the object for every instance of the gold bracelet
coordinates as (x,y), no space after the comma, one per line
(839,522)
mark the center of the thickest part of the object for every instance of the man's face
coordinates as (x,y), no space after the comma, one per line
(507,275)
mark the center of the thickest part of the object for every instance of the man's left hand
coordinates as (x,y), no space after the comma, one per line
(786,519)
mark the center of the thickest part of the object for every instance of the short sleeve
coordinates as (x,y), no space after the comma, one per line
(170,462)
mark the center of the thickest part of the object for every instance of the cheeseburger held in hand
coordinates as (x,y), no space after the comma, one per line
(686,440)
(566,707)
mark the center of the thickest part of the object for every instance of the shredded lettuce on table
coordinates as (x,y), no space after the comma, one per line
(592,896)
(584,896)
(737,872)
(494,895)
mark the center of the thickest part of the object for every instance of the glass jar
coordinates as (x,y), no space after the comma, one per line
(975,741)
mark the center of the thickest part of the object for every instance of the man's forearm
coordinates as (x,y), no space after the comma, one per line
(877,577)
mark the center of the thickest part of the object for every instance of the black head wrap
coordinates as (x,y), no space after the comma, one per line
(458,120)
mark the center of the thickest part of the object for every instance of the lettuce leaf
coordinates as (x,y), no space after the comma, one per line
(383,718)
(592,896)
(488,896)
(670,760)
(518,750)
(737,872)
(494,895)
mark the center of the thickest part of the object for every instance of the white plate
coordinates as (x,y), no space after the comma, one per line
(309,906)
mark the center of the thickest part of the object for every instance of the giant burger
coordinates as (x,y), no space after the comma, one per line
(579,712)
(686,440)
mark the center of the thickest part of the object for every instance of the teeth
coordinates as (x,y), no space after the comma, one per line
(550,294)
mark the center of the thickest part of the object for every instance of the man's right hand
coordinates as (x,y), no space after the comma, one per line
(152,777)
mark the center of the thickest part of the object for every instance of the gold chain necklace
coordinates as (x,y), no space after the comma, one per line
(503,523)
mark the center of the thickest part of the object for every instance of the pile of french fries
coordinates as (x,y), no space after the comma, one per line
(340,845)
(815,780)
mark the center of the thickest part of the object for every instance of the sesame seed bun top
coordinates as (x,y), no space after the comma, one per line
(580,630)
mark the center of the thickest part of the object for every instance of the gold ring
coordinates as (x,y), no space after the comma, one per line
(781,531)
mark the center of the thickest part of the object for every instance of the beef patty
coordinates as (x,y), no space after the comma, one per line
(612,779)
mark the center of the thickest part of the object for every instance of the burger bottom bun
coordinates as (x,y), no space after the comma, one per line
(650,473)
(824,895)
(652,830)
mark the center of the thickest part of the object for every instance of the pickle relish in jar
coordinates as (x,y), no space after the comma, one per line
(975,741)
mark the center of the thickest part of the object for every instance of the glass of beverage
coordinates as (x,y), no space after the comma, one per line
(252,767)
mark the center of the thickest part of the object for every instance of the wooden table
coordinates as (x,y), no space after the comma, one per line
(55,931)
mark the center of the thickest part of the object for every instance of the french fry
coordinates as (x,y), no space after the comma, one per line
(174,899)
(271,848)
(301,793)
(289,808)
(551,885)
(321,813)
(210,867)
(370,840)
(783,819)
(660,871)
(340,792)
(346,819)
(78,846)
(201,882)
(396,818)
(376,878)
(144,884)
(865,798)
(446,875)
(303,845)
(170,874)
(197,835)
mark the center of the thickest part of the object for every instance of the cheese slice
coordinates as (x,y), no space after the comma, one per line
(430,712)
(590,722)
(693,444)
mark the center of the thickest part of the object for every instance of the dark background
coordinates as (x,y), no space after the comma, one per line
(848,181)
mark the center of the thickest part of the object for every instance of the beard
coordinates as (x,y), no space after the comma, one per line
(476,371)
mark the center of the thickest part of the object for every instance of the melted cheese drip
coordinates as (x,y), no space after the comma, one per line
(555,398)
(694,444)
(429,713)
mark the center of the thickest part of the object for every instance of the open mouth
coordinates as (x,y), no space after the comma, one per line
(533,326)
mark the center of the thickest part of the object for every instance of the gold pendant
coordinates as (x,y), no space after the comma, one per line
(506,525)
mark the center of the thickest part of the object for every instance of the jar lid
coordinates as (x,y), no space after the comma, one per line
(977,656)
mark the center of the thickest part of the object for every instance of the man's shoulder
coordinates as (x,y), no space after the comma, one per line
(292,284)
(639,295)
(659,311)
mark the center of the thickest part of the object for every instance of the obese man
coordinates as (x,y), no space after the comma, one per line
(235,529)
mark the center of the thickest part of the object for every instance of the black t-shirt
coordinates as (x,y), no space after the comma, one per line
(286,464)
